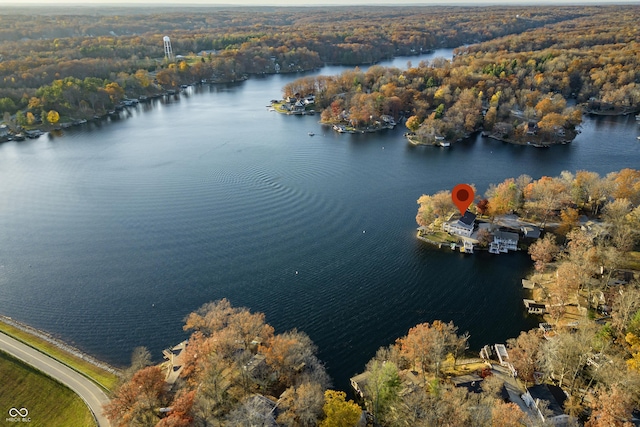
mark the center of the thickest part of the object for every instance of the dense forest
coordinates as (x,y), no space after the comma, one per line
(229,372)
(526,88)
(77,65)
(521,74)
(587,267)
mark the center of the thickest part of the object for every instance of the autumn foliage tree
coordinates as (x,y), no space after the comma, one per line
(543,251)
(434,208)
(231,357)
(524,353)
(503,198)
(426,345)
(137,401)
(53,117)
(338,412)
(610,408)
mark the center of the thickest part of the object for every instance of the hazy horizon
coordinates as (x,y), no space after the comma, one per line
(298,3)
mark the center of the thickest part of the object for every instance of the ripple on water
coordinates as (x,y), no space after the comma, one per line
(111,236)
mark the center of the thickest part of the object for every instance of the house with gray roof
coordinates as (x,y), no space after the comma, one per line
(464,226)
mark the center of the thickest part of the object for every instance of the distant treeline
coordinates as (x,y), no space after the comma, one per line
(520,87)
(120,50)
(38,47)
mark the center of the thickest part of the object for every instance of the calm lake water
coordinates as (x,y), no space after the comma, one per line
(113,232)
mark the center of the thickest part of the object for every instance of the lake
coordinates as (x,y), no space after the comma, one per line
(114,231)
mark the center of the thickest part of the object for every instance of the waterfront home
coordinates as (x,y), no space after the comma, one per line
(359,382)
(388,120)
(530,231)
(549,396)
(472,382)
(256,366)
(298,107)
(547,330)
(292,99)
(504,241)
(462,227)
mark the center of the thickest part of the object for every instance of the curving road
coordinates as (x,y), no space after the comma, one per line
(85,388)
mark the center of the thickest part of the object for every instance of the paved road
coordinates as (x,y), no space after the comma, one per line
(85,388)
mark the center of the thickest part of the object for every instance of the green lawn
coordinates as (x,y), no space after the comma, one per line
(48,402)
(105,379)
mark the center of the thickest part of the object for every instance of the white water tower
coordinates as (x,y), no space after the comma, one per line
(168,53)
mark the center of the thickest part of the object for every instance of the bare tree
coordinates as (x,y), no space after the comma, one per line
(565,357)
(255,411)
(301,406)
(625,306)
(140,358)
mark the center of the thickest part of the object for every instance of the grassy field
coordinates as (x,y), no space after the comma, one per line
(632,261)
(105,379)
(49,403)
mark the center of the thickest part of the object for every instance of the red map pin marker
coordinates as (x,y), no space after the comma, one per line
(462,196)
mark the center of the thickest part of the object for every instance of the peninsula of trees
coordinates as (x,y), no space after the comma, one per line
(57,66)
(586,285)
(529,88)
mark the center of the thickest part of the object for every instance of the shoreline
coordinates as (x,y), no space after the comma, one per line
(44,336)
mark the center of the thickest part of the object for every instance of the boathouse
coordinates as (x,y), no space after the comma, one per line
(534,307)
(504,241)
(501,352)
(174,362)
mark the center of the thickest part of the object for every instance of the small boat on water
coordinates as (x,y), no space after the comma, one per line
(311,133)
(638,138)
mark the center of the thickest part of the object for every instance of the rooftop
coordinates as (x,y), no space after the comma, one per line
(506,235)
(468,218)
(553,395)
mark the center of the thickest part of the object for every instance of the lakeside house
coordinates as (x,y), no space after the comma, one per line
(296,104)
(547,401)
(503,242)
(464,226)
(530,231)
